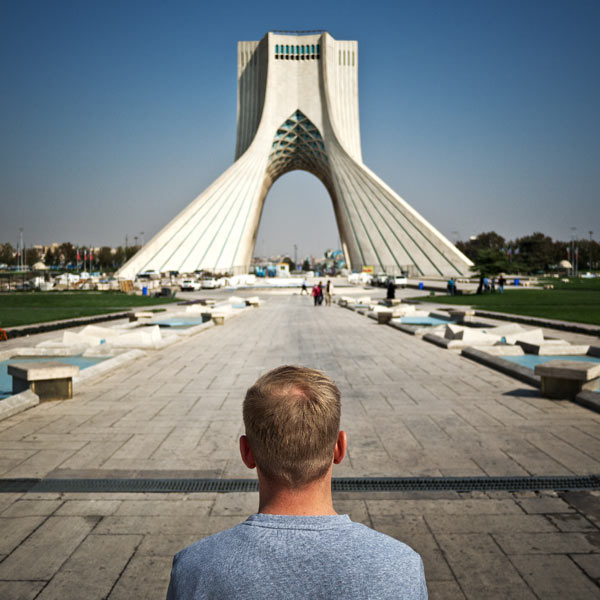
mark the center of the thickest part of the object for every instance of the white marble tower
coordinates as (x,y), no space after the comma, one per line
(298,109)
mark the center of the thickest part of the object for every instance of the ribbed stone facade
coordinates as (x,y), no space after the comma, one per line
(298,109)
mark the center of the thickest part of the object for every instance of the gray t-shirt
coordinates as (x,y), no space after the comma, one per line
(279,556)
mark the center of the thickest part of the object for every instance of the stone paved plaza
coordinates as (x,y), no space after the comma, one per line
(409,407)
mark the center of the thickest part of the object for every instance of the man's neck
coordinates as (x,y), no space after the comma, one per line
(312,499)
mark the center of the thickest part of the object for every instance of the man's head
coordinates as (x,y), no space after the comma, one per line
(292,419)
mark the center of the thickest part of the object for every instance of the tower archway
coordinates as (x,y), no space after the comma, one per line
(298,109)
(297,212)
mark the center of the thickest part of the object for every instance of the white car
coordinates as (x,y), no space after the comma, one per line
(401,280)
(190,285)
(210,283)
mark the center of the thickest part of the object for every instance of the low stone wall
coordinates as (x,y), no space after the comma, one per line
(14,332)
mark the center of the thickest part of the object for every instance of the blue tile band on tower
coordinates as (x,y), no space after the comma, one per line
(298,109)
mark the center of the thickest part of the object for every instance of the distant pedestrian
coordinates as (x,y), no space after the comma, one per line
(486,285)
(328,292)
(451,287)
(304,290)
(501,284)
(391,289)
(315,294)
(493,285)
(320,296)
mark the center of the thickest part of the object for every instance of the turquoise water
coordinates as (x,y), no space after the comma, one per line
(531,360)
(424,321)
(183,322)
(6,379)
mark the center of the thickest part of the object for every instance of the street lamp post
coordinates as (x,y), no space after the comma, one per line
(21,250)
(573,230)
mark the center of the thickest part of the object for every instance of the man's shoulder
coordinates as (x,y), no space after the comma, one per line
(375,541)
(211,544)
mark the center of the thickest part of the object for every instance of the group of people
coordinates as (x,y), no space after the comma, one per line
(487,285)
(319,292)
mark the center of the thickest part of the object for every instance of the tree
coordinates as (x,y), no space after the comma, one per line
(119,257)
(537,252)
(484,241)
(290,263)
(31,256)
(131,251)
(105,258)
(67,253)
(490,262)
(7,254)
(50,258)
(306,265)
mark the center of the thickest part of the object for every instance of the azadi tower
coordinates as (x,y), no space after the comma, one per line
(298,109)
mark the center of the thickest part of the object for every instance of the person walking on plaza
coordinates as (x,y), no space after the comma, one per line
(296,546)
(501,283)
(328,292)
(317,293)
(304,290)
(320,293)
(451,287)
(391,289)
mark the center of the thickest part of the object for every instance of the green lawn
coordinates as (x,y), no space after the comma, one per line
(25,308)
(577,301)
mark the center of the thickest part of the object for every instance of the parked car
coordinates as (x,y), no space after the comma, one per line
(190,285)
(210,283)
(379,280)
(149,274)
(400,280)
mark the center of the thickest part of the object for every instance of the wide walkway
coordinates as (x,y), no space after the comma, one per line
(410,408)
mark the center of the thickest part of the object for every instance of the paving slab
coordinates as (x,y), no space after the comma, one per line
(410,408)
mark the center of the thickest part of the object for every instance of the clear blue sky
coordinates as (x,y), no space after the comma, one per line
(115,115)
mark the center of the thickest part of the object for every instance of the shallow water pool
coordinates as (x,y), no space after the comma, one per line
(531,360)
(181,323)
(424,321)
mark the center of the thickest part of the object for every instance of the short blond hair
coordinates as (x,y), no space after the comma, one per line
(292,420)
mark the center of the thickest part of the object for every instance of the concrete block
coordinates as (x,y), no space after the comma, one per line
(532,336)
(384,316)
(470,335)
(453,332)
(194,309)
(404,310)
(564,379)
(569,369)
(508,328)
(47,380)
(143,337)
(563,349)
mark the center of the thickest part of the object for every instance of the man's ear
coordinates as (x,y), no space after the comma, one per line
(339,451)
(246,453)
